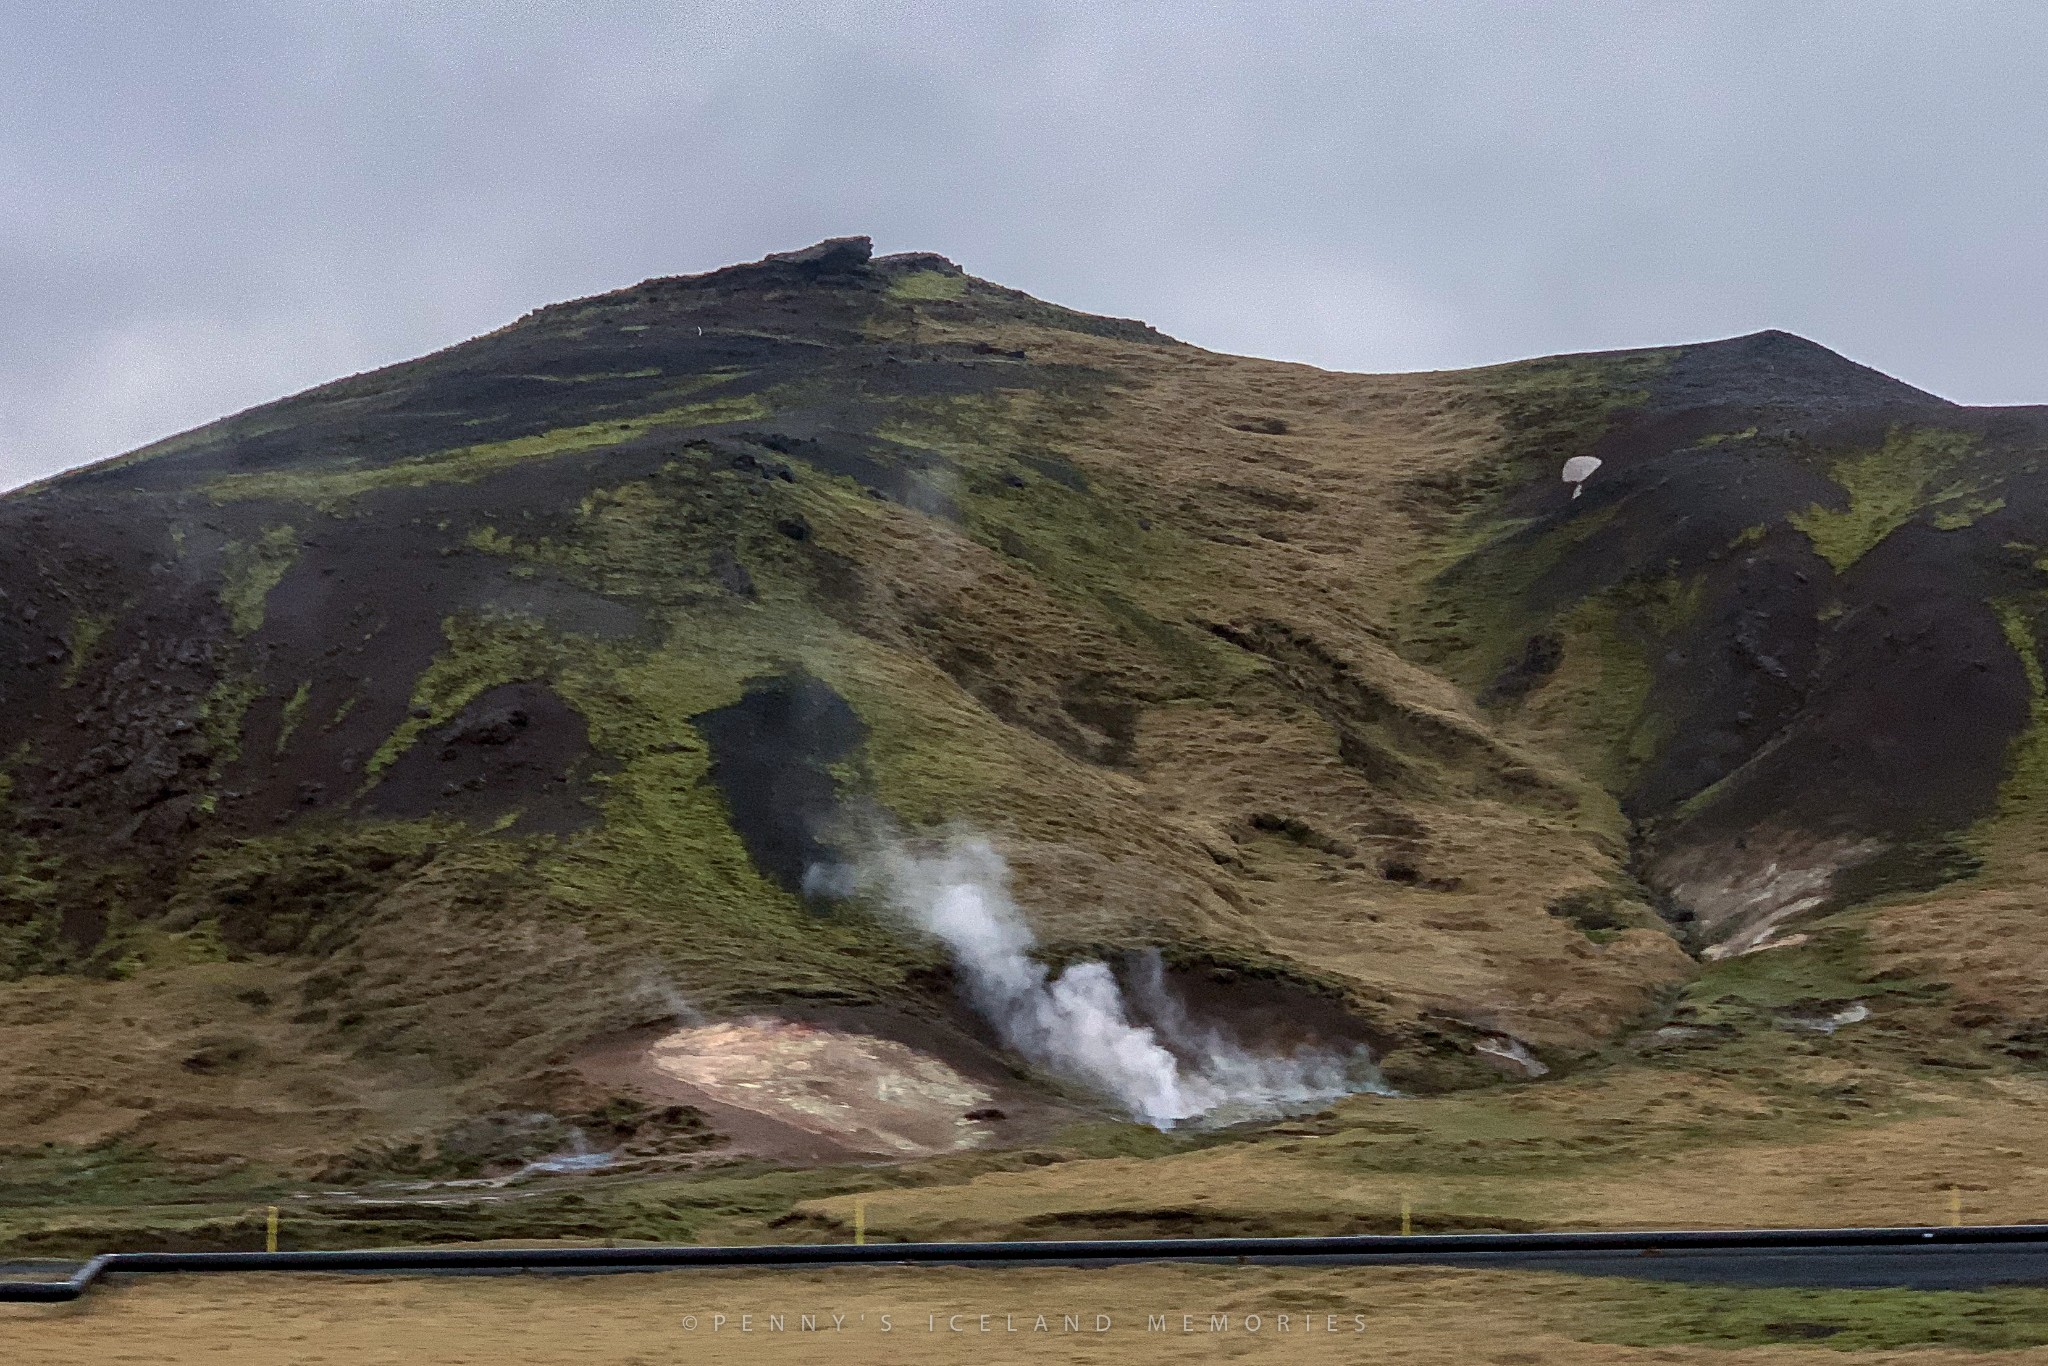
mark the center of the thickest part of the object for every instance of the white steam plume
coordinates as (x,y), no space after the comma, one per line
(1076,1024)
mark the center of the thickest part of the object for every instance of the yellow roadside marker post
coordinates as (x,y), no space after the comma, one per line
(1955,1206)
(1407,1216)
(270,1232)
(860,1222)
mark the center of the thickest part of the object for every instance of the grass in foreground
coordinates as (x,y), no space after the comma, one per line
(913,1316)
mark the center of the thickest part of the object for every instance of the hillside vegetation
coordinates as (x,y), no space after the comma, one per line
(369,757)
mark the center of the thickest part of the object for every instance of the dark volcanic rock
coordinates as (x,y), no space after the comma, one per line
(516,750)
(834,256)
(771,756)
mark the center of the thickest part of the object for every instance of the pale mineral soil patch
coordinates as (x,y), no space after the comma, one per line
(789,1083)
(833,1085)
(1420,1316)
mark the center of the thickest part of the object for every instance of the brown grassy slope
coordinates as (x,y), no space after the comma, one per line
(1302,547)
(216,1061)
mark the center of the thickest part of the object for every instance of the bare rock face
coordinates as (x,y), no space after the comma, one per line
(833,256)
(1743,895)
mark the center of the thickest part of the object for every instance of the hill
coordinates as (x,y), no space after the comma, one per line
(393,770)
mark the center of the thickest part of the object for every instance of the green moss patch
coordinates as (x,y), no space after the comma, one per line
(294,714)
(1884,489)
(929,284)
(250,571)
(222,713)
(2023,795)
(467,464)
(1476,615)
(1966,512)
(1831,966)
(88,629)
(694,534)
(1594,706)
(1595,703)
(667,861)
(483,652)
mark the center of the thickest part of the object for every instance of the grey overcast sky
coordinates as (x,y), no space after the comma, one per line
(204,205)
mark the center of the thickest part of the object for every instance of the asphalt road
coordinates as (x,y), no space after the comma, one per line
(1839,1268)
(1972,1258)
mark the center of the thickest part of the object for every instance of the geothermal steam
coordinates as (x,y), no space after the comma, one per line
(1077,1023)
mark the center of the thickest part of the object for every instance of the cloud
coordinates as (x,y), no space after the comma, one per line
(212,204)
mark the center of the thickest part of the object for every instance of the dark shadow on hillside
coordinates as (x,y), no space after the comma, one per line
(771,757)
